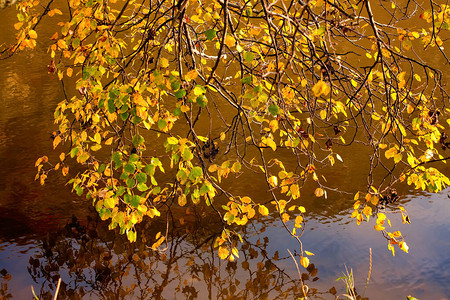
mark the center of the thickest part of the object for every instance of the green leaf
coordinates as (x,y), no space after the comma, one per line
(138,140)
(79,190)
(111,106)
(177,111)
(74,152)
(142,187)
(130,182)
(180,93)
(247,79)
(249,56)
(117,158)
(175,85)
(162,124)
(187,154)
(129,168)
(135,200)
(210,34)
(273,109)
(141,177)
(201,101)
(195,173)
(134,158)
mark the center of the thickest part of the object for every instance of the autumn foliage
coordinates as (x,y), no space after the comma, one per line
(175,100)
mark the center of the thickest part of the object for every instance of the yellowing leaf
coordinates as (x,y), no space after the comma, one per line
(18,25)
(62,44)
(304,261)
(223,252)
(65,171)
(56,141)
(182,200)
(379,227)
(273,180)
(109,141)
(391,152)
(98,138)
(321,88)
(271,144)
(318,192)
(417,77)
(164,62)
(403,246)
(230,41)
(191,75)
(32,34)
(298,221)
(264,211)
(69,72)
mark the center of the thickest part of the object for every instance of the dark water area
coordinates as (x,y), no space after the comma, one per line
(47,233)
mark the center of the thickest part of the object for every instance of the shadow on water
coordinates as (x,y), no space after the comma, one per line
(95,263)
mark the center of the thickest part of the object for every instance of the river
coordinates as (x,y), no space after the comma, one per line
(46,232)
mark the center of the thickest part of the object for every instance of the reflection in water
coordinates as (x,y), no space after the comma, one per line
(95,263)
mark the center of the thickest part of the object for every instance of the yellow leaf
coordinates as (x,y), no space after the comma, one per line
(318,192)
(271,144)
(32,34)
(367,211)
(417,77)
(56,141)
(69,72)
(191,75)
(264,211)
(182,200)
(109,141)
(304,261)
(273,180)
(398,157)
(391,152)
(65,171)
(403,246)
(323,114)
(62,44)
(62,156)
(295,191)
(379,227)
(230,41)
(354,83)
(164,62)
(309,253)
(223,252)
(298,221)
(97,138)
(18,25)
(320,88)
(374,200)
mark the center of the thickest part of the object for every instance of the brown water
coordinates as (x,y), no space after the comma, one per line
(40,241)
